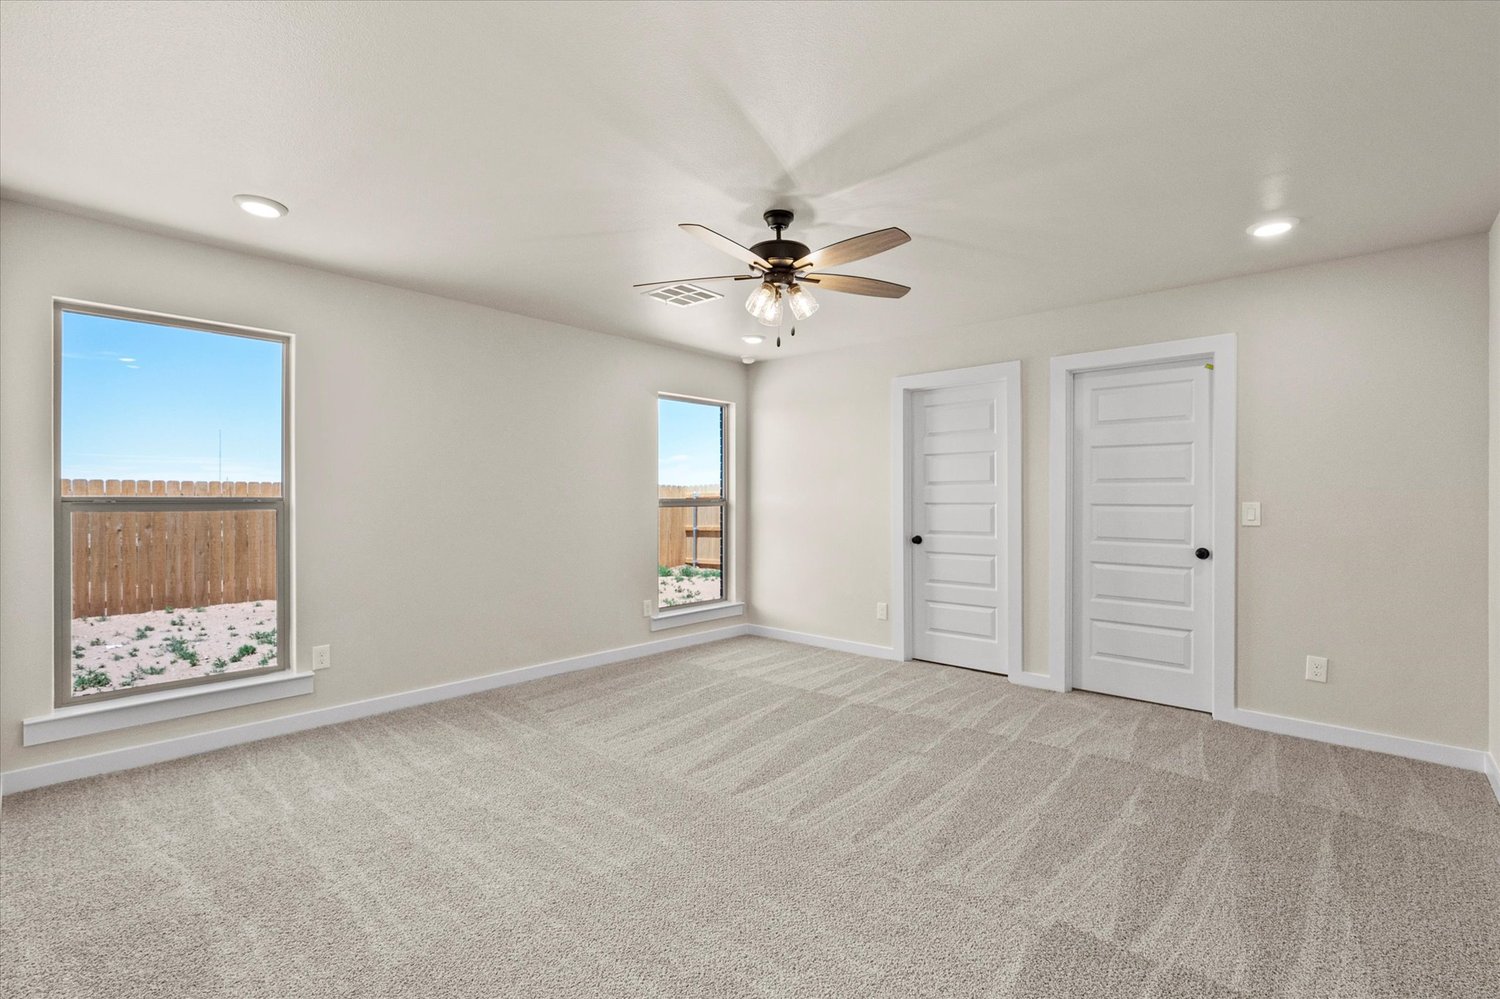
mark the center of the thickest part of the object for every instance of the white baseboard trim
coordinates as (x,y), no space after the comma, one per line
(1357,738)
(824,642)
(14,781)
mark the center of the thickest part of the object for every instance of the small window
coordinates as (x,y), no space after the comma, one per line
(692,505)
(172,533)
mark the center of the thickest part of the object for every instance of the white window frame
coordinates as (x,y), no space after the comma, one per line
(64,699)
(725,605)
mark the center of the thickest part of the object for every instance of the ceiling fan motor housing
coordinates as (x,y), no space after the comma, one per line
(780,253)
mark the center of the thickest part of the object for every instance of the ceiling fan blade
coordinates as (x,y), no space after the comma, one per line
(726,245)
(857,285)
(717,277)
(854,248)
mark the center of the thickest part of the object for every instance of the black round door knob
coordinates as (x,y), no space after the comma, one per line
(1203,553)
(916,539)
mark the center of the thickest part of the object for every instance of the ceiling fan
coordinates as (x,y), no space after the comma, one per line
(785,268)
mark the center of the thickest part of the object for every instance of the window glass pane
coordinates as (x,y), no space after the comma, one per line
(690,465)
(144,401)
(170,595)
(690,557)
(690,448)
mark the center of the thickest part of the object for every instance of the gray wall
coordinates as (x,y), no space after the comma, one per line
(475,491)
(1495,489)
(1362,412)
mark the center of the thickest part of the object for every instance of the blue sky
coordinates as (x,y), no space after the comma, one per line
(688,443)
(141,401)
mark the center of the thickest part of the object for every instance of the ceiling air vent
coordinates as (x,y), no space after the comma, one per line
(683,295)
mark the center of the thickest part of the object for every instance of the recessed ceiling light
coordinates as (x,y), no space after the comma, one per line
(753,338)
(261,208)
(747,360)
(1271,228)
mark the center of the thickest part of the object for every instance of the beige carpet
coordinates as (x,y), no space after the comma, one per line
(753,818)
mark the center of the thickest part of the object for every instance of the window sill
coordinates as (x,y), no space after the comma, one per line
(693,615)
(124,712)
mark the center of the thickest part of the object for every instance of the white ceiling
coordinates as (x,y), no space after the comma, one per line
(538,157)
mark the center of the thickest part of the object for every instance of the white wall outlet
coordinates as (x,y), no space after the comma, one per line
(1317,669)
(881,612)
(322,656)
(1250,515)
(646,607)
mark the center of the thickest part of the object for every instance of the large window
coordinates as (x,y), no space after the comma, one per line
(172,533)
(691,502)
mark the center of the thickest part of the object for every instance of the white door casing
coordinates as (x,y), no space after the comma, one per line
(1142,500)
(1142,604)
(958,467)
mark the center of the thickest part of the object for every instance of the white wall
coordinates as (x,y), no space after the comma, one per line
(475,490)
(1362,401)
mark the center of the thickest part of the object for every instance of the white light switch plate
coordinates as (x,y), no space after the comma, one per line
(880,612)
(1250,515)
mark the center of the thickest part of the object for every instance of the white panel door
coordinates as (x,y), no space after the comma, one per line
(960,525)
(1142,565)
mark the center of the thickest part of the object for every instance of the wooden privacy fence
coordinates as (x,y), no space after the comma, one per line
(674,537)
(127,561)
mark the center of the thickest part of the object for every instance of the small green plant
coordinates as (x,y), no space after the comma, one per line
(169,610)
(689,572)
(143,631)
(220,664)
(197,610)
(178,622)
(242,652)
(264,637)
(117,657)
(128,681)
(132,653)
(96,642)
(78,652)
(180,649)
(663,571)
(257,603)
(152,670)
(90,679)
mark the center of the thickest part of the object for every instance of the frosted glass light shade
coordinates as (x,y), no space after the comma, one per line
(801,301)
(760,300)
(771,314)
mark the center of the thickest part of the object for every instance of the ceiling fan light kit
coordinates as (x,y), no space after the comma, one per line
(785,267)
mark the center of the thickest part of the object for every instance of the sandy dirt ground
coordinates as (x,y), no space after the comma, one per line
(136,650)
(676,589)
